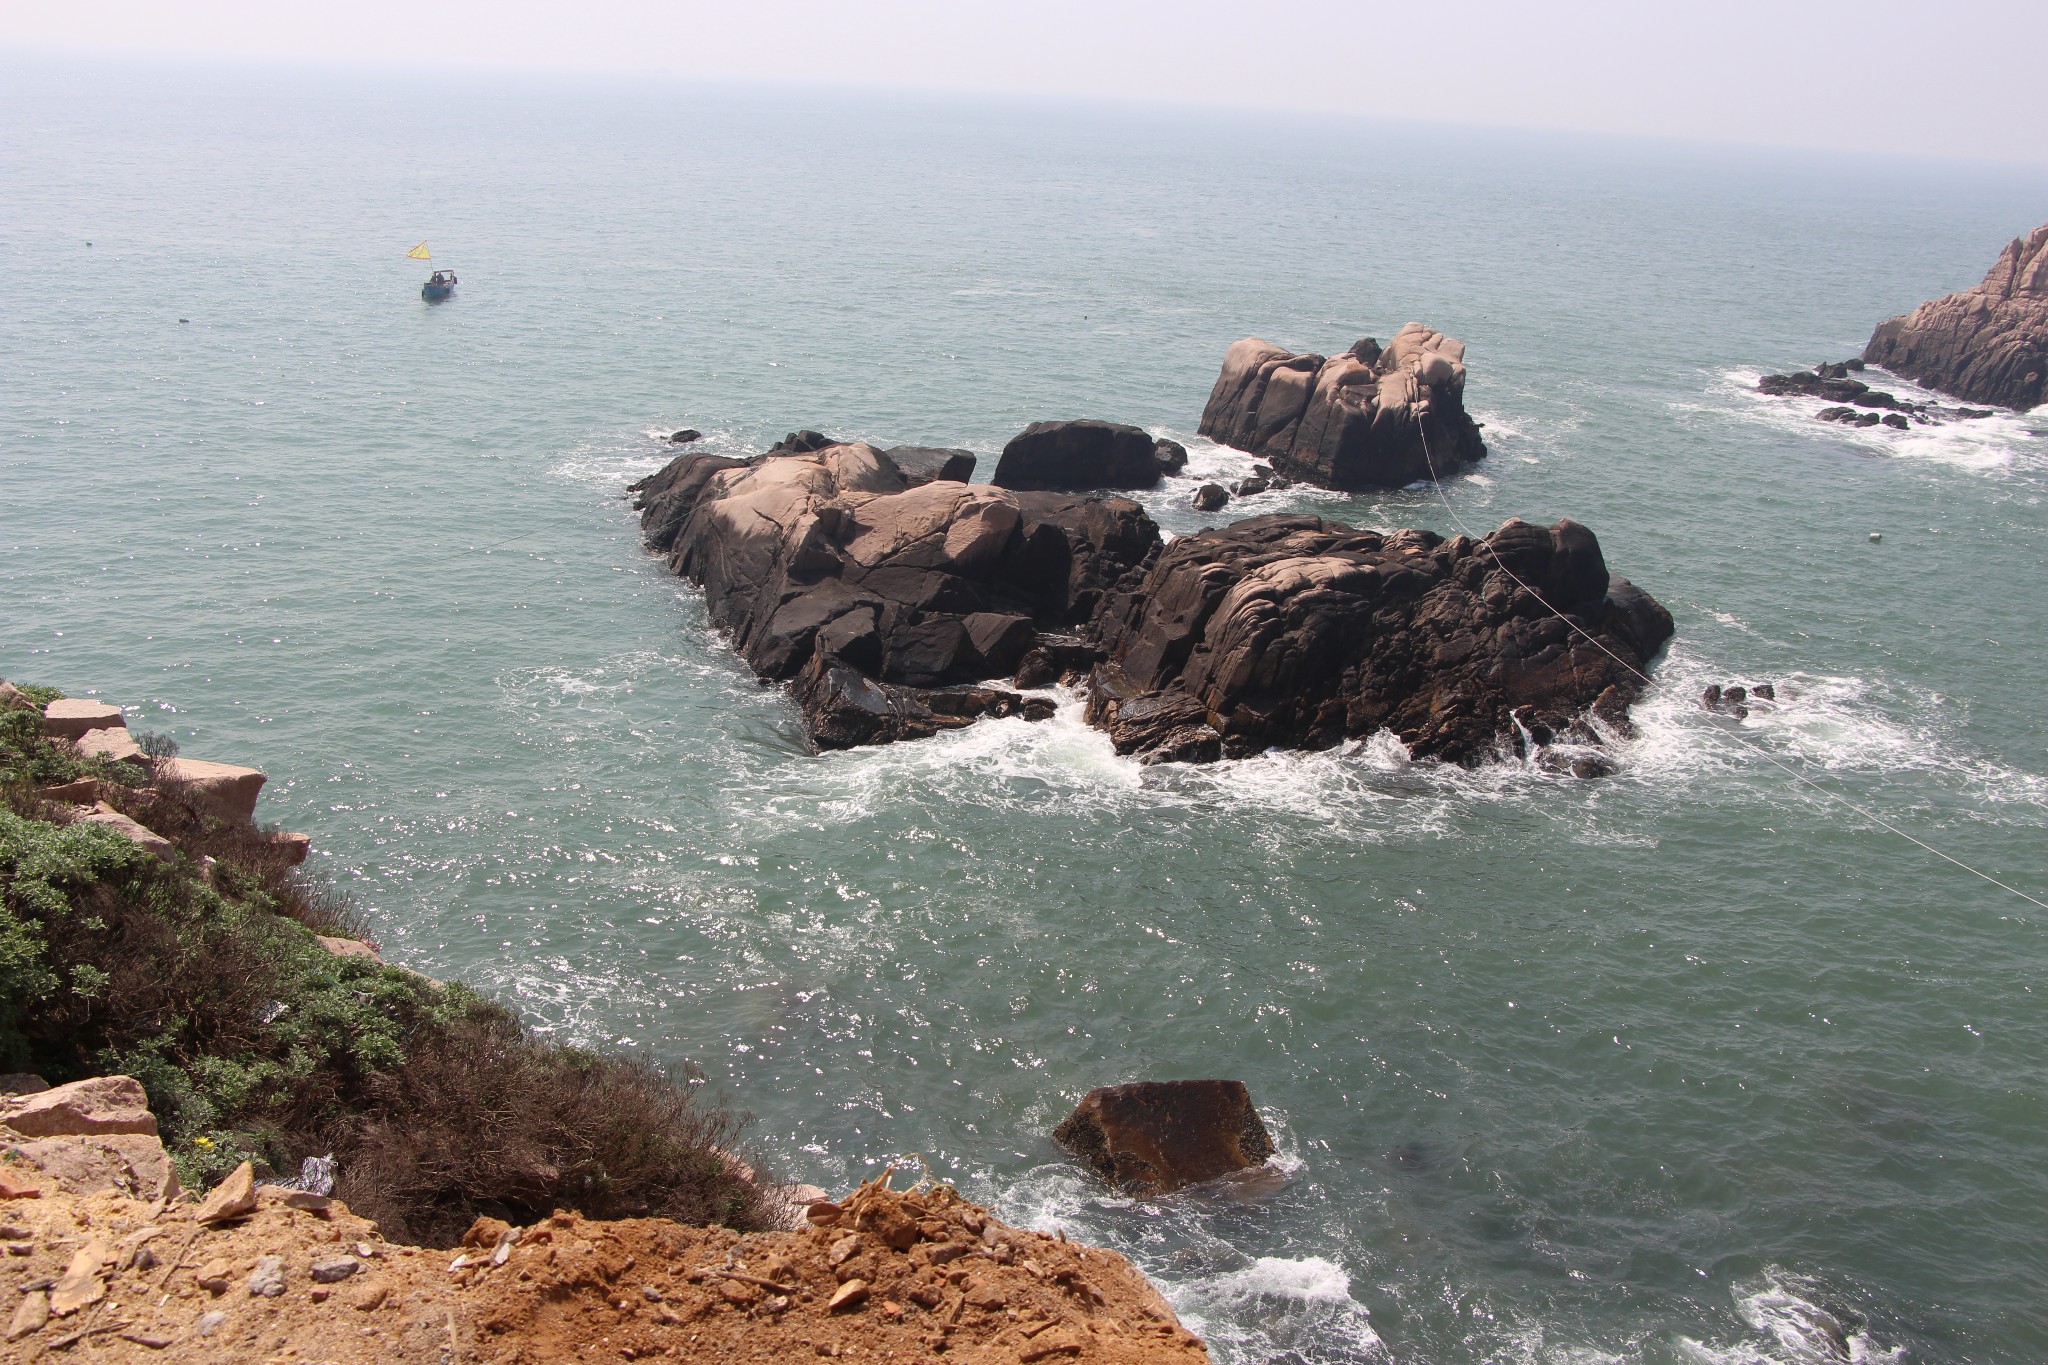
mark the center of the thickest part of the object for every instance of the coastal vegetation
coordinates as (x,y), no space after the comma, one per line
(217,974)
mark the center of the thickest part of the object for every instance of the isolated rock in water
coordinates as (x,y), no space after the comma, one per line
(924,464)
(1358,420)
(685,436)
(1211,497)
(1076,456)
(1298,632)
(71,717)
(1150,1137)
(222,789)
(1170,456)
(96,1105)
(885,602)
(1988,344)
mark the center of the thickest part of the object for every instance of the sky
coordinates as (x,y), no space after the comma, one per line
(1959,80)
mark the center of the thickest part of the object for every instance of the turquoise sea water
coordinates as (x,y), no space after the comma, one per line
(1683,1065)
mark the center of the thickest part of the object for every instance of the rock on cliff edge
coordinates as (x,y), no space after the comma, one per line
(1984,345)
(1297,632)
(1357,420)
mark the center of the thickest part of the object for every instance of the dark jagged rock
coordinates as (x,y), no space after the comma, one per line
(1358,420)
(1070,457)
(1211,497)
(1150,1137)
(890,608)
(926,464)
(1298,632)
(1170,456)
(685,436)
(1988,344)
(886,601)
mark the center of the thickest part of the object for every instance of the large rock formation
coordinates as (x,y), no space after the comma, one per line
(1150,1137)
(889,609)
(1985,345)
(885,603)
(1294,631)
(1358,420)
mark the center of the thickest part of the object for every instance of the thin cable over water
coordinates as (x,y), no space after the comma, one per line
(1436,482)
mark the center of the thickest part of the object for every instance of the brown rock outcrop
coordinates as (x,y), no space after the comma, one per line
(71,717)
(1988,344)
(99,1104)
(940,1279)
(1151,1137)
(1357,420)
(885,602)
(1294,631)
(222,789)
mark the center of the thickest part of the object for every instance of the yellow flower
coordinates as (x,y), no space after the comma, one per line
(202,1142)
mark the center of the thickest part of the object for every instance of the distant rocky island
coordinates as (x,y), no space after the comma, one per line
(1988,344)
(896,602)
(1984,345)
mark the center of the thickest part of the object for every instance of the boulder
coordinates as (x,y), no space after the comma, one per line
(13,698)
(1297,632)
(71,717)
(1076,456)
(141,836)
(21,1083)
(113,743)
(886,604)
(1211,497)
(349,947)
(91,1107)
(133,1164)
(685,436)
(1369,418)
(293,847)
(234,1197)
(1151,1137)
(1987,344)
(1170,456)
(221,789)
(924,464)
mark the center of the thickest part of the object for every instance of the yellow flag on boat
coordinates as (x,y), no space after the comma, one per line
(419,253)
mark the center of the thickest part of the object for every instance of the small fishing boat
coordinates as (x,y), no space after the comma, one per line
(441,284)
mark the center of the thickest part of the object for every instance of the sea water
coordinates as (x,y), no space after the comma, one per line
(1687,1064)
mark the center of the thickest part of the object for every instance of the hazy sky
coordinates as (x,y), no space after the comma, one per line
(1962,79)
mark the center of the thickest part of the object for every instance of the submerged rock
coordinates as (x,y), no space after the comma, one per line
(1358,420)
(1298,632)
(1987,344)
(1151,1137)
(1211,497)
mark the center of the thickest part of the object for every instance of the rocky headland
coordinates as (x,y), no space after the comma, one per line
(894,611)
(584,1206)
(1373,417)
(1987,344)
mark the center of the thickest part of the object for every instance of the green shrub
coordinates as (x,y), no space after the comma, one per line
(255,1042)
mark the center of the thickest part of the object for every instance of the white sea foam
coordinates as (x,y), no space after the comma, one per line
(2003,441)
(1792,1326)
